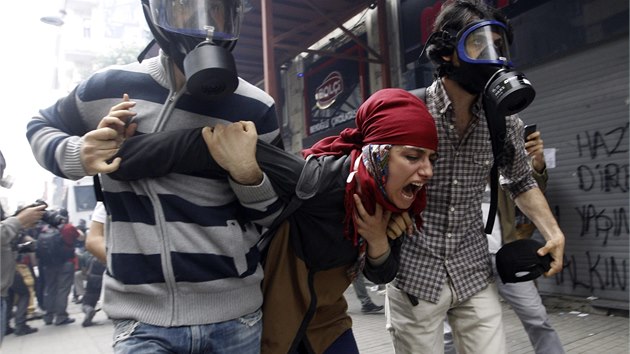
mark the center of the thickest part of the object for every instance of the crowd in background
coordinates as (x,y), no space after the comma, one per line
(44,261)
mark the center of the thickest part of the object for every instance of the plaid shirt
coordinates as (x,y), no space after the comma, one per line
(452,244)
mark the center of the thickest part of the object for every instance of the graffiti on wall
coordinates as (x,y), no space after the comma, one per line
(600,174)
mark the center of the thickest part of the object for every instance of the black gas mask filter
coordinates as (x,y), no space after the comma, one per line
(199,39)
(210,72)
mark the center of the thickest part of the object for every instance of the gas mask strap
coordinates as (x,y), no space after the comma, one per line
(441,35)
(496,127)
(494,195)
(146,50)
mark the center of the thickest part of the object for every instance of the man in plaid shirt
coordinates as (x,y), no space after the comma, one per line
(445,268)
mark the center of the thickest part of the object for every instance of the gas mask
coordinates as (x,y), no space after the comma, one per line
(484,66)
(198,35)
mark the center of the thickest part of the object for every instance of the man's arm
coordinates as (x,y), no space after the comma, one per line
(64,145)
(95,241)
(26,218)
(9,229)
(538,203)
(531,201)
(534,205)
(185,151)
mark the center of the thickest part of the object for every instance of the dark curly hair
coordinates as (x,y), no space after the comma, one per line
(455,15)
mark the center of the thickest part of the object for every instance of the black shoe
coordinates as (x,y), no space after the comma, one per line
(8,331)
(24,330)
(89,315)
(36,315)
(371,308)
(66,321)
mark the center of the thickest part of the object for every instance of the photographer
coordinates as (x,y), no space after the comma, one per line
(9,230)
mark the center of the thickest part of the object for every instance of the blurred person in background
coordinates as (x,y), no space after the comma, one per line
(96,260)
(58,266)
(9,231)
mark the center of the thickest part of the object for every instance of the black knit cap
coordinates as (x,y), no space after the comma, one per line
(518,261)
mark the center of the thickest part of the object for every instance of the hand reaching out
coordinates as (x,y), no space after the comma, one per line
(101,145)
(29,216)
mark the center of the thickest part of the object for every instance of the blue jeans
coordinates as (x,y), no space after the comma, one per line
(526,302)
(360,290)
(238,336)
(344,344)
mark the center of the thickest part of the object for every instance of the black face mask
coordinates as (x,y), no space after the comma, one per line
(509,90)
(210,72)
(209,66)
(471,77)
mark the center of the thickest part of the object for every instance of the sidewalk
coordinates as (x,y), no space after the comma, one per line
(593,333)
(580,332)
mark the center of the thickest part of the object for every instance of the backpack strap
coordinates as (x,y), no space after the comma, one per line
(98,191)
(496,127)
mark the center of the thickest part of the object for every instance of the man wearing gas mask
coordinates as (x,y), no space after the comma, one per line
(183,271)
(447,271)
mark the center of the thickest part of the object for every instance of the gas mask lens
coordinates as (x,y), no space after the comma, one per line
(212,19)
(484,42)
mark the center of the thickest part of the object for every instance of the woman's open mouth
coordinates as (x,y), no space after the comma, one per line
(410,190)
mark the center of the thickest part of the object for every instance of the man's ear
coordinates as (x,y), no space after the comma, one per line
(451,58)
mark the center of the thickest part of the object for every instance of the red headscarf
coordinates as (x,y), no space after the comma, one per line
(390,116)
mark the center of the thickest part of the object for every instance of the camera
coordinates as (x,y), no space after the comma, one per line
(50,217)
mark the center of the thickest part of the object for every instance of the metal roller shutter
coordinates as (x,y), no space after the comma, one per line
(581,109)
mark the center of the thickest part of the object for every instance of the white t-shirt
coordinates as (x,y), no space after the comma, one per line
(494,239)
(99,214)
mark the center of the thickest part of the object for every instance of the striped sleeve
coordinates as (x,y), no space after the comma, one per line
(261,202)
(55,138)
